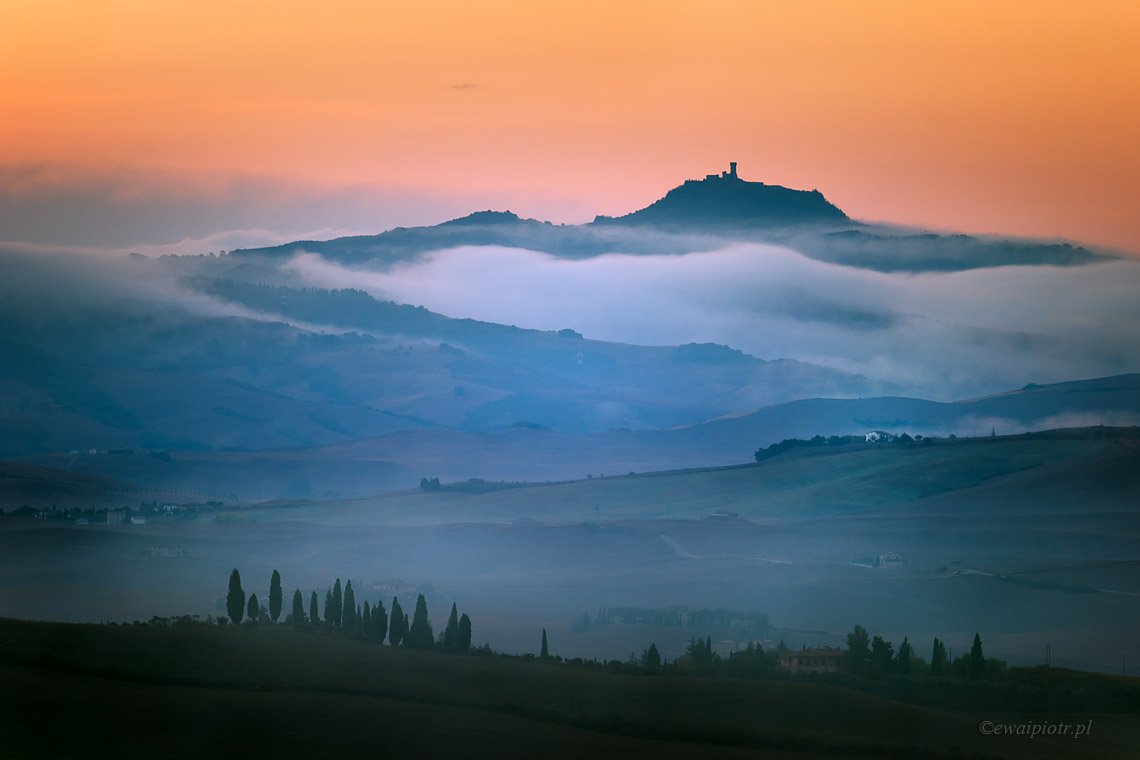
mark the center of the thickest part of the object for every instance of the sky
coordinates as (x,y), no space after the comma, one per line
(127,123)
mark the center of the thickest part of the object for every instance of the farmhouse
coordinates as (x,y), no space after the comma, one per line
(889,559)
(723,515)
(817,660)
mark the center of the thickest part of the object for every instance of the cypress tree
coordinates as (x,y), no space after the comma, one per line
(938,658)
(275,596)
(348,620)
(253,611)
(379,622)
(882,654)
(396,628)
(544,652)
(977,660)
(314,616)
(366,621)
(335,617)
(450,637)
(328,606)
(235,599)
(298,607)
(858,650)
(420,635)
(464,644)
(905,651)
(651,660)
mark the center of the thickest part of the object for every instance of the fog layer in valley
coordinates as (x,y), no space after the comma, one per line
(942,335)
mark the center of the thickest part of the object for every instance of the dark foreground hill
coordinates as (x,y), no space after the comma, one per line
(138,691)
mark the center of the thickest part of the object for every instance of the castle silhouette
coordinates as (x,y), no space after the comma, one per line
(730,174)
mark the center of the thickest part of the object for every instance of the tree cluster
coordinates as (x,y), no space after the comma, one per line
(343,613)
(875,656)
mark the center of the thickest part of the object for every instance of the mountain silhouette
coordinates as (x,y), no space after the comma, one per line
(725,201)
(720,206)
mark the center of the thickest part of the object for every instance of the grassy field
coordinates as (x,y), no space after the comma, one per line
(1033,542)
(138,690)
(800,484)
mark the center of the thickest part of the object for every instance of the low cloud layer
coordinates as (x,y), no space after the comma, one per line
(57,207)
(943,336)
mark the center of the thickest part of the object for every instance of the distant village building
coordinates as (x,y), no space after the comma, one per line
(817,660)
(138,520)
(116,516)
(889,559)
(167,551)
(730,174)
(880,436)
(723,515)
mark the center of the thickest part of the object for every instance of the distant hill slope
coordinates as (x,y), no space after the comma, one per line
(359,466)
(145,376)
(1099,401)
(1079,470)
(726,202)
(702,215)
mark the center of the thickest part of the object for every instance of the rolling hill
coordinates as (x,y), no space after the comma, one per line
(700,215)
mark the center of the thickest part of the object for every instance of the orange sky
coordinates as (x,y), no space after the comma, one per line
(1017,117)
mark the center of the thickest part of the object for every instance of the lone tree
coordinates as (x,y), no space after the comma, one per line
(275,596)
(420,635)
(977,659)
(464,644)
(253,611)
(544,652)
(396,629)
(314,614)
(298,607)
(651,659)
(235,599)
(366,620)
(449,639)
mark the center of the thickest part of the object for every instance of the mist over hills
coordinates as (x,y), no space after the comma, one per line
(495,407)
(723,317)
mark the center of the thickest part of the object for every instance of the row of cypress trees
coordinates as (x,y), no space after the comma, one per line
(342,612)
